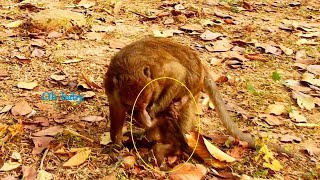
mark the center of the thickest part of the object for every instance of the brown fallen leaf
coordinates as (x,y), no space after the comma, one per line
(100,28)
(88,94)
(14,24)
(312,149)
(57,77)
(164,34)
(192,27)
(257,57)
(51,131)
(296,117)
(286,50)
(271,120)
(77,159)
(8,166)
(27,85)
(40,144)
(188,171)
(44,175)
(5,109)
(22,108)
(86,3)
(95,36)
(289,138)
(221,45)
(117,7)
(306,102)
(54,34)
(37,53)
(68,61)
(38,43)
(92,118)
(43,121)
(29,173)
(116,44)
(105,138)
(90,82)
(208,35)
(276,109)
(208,152)
(315,69)
(129,161)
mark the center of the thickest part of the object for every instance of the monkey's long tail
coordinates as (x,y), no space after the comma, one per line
(232,128)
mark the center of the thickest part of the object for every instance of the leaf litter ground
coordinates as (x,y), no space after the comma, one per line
(264,55)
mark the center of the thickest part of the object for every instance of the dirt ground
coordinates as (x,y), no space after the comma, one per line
(264,54)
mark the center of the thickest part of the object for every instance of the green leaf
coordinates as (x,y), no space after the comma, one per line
(251,89)
(276,76)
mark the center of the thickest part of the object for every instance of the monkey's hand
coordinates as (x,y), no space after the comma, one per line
(145,119)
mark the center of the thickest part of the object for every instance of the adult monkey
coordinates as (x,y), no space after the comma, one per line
(142,61)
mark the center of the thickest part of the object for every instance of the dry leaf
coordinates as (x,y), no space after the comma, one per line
(86,3)
(276,109)
(285,50)
(27,85)
(43,121)
(100,28)
(44,175)
(90,82)
(22,108)
(221,14)
(289,138)
(257,57)
(309,125)
(208,152)
(88,94)
(54,34)
(77,159)
(71,61)
(271,120)
(312,149)
(221,45)
(29,173)
(296,117)
(57,77)
(92,118)
(306,102)
(315,69)
(208,35)
(307,42)
(7,108)
(95,36)
(16,156)
(164,34)
(192,27)
(116,44)
(117,7)
(8,166)
(14,24)
(51,131)
(105,138)
(37,53)
(129,161)
(188,171)
(215,61)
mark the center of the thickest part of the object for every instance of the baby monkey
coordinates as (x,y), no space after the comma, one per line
(133,67)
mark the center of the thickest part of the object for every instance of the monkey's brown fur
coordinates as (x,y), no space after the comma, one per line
(144,60)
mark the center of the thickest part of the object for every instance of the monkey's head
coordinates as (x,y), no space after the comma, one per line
(128,85)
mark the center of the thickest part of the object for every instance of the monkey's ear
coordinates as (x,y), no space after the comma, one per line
(146,71)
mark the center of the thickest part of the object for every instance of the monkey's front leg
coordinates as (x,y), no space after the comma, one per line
(117,118)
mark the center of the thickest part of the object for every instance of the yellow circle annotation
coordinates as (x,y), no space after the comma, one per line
(131,116)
